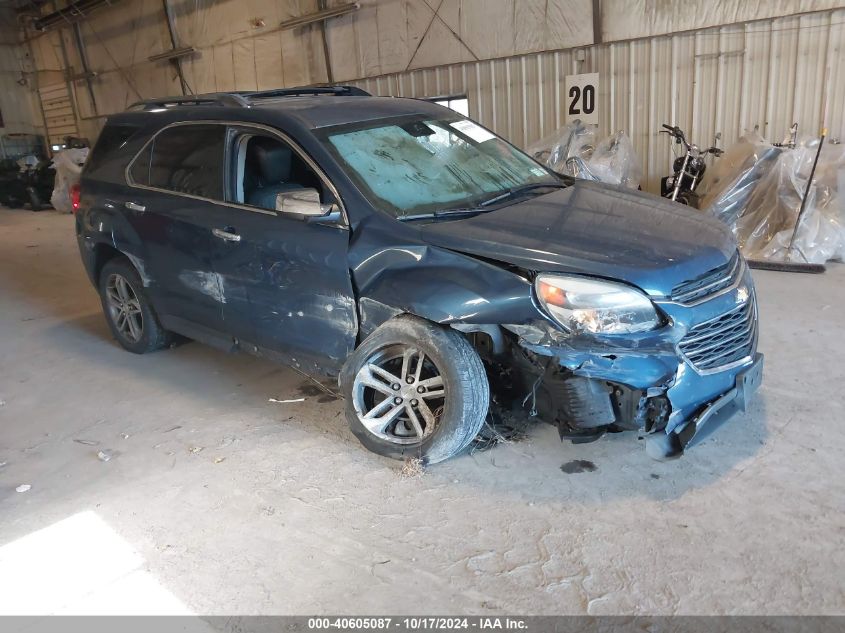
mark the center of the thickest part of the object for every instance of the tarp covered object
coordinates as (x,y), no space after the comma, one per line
(756,189)
(572,150)
(68,164)
(616,162)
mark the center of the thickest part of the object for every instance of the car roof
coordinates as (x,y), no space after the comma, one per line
(309,111)
(325,111)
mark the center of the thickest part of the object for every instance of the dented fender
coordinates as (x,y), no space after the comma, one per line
(107,226)
(438,285)
(639,361)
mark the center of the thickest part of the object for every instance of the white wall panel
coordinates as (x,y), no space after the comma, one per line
(630,19)
(783,56)
(721,81)
(418,33)
(834,100)
(811,70)
(509,56)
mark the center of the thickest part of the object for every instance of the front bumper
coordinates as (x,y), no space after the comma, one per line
(651,368)
(713,413)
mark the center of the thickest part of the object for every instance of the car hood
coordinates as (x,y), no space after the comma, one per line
(595,229)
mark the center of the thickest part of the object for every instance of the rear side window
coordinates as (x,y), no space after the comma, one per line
(111,140)
(185,159)
(140,171)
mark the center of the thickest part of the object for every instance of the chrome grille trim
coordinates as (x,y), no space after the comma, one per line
(723,342)
(710,284)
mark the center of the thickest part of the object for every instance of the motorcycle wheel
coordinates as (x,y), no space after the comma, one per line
(688,198)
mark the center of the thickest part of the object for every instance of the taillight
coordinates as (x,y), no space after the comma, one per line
(75,192)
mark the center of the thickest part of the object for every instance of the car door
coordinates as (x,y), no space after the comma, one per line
(286,279)
(177,185)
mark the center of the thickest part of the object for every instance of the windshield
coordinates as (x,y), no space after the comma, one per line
(417,166)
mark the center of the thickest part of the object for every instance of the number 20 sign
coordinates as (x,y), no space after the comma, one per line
(582,97)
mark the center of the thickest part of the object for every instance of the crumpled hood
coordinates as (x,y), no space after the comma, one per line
(595,229)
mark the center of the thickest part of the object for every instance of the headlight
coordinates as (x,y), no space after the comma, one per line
(600,307)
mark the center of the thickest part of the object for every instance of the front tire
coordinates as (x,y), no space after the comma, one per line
(128,311)
(414,389)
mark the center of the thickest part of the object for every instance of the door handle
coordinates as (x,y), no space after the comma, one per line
(135,207)
(226,235)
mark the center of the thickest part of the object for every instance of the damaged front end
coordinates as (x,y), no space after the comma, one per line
(668,383)
(584,388)
(592,330)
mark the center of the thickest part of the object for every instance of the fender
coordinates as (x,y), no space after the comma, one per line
(439,285)
(104,226)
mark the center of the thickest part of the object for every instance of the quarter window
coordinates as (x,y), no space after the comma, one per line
(112,139)
(140,171)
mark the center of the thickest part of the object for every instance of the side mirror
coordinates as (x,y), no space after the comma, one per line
(333,218)
(302,202)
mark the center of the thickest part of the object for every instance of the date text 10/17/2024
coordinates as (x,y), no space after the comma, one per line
(418,623)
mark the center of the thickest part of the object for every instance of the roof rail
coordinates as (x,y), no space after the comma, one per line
(243,99)
(341,91)
(229,99)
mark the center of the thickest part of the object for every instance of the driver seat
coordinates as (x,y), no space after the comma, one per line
(273,163)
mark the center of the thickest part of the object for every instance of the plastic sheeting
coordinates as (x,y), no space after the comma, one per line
(757,188)
(566,149)
(616,162)
(68,164)
(572,150)
(27,162)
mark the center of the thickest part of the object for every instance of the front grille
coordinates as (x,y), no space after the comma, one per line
(719,342)
(708,284)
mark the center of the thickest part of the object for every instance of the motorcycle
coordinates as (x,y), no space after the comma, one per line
(688,168)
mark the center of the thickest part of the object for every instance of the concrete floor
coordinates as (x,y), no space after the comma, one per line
(217,501)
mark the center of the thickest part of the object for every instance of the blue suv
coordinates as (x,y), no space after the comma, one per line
(438,273)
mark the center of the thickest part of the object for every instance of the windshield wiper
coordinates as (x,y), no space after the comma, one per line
(442,213)
(481,206)
(521,189)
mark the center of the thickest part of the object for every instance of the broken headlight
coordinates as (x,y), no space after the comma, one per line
(596,306)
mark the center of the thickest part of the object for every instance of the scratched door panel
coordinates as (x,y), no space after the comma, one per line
(288,282)
(175,232)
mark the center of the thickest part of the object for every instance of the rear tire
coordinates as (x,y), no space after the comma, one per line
(127,308)
(414,389)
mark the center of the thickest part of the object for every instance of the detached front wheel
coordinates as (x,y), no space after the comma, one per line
(414,389)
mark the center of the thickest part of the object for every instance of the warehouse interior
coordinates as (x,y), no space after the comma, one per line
(191,481)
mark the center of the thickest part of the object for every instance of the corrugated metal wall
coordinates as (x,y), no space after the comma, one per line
(720,80)
(723,80)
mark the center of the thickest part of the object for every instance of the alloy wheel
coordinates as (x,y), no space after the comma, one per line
(124,308)
(399,395)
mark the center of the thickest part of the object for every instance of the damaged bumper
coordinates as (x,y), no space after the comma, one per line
(736,398)
(673,385)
